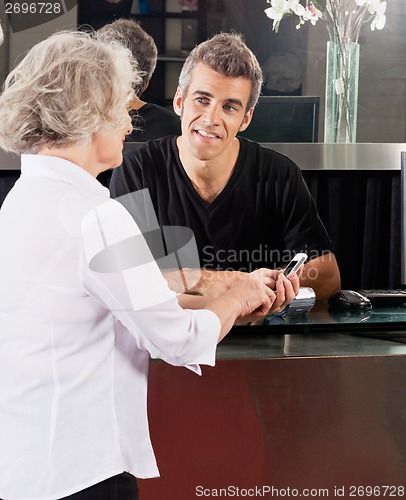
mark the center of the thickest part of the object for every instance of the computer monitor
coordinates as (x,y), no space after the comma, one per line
(403,217)
(284,119)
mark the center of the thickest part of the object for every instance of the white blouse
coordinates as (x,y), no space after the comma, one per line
(76,333)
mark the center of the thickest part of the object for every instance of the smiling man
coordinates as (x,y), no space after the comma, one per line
(248,206)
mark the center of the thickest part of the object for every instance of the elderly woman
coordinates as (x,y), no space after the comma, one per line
(82,302)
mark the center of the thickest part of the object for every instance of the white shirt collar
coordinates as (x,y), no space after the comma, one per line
(53,167)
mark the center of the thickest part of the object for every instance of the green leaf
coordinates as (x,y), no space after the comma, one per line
(320,4)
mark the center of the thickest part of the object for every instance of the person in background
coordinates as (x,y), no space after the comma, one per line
(248,206)
(150,121)
(78,319)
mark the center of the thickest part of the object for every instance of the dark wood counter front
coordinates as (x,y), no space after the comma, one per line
(316,415)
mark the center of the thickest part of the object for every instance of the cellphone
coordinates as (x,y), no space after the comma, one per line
(295,263)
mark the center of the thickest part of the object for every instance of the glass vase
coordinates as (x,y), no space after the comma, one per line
(342,70)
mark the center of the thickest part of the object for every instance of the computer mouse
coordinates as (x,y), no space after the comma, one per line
(348,299)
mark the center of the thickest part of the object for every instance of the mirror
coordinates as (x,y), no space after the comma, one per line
(293,60)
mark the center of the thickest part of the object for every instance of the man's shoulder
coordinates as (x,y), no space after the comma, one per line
(163,148)
(266,158)
(144,164)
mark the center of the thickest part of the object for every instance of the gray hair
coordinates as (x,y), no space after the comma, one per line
(225,53)
(129,33)
(67,88)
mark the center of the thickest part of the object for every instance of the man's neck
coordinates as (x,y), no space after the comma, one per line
(209,177)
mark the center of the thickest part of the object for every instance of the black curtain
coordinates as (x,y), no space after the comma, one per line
(361,211)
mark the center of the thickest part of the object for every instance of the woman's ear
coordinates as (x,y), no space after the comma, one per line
(178,102)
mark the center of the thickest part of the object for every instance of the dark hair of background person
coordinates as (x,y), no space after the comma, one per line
(150,120)
(130,34)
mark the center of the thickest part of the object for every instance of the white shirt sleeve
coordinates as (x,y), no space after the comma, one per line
(119,271)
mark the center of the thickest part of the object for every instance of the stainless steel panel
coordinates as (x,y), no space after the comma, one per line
(322,156)
(309,156)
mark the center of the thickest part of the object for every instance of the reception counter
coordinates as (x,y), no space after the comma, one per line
(297,409)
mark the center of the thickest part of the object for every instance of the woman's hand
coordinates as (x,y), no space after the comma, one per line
(250,295)
(285,289)
(254,292)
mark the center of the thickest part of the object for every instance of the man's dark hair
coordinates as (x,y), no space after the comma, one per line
(225,53)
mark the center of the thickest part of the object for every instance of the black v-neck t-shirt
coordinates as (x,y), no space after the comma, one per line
(263,216)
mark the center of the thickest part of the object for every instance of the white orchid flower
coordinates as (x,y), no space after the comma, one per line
(276,16)
(299,10)
(376,6)
(380,18)
(309,12)
(278,9)
(373,6)
(312,14)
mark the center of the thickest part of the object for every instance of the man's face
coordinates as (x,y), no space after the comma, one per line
(212,112)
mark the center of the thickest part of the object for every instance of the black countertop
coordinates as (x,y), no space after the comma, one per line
(323,333)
